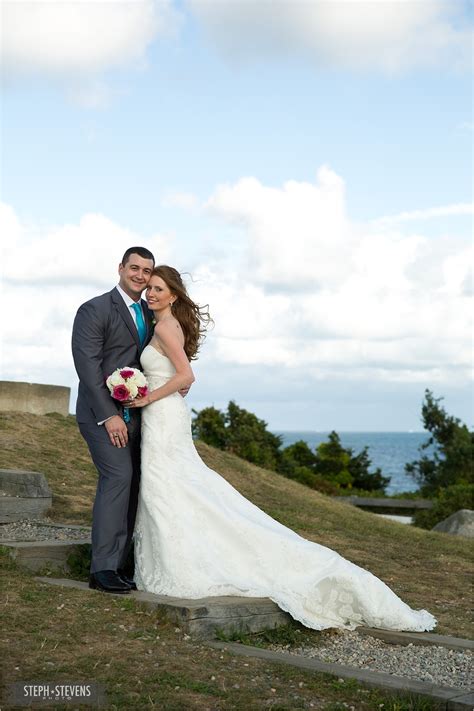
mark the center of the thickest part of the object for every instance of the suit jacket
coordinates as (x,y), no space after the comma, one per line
(104,338)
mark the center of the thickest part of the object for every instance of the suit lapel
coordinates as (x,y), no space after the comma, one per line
(124,311)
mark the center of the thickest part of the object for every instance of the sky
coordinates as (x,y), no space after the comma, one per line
(306,164)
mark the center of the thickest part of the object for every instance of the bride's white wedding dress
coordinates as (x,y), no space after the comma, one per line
(196,536)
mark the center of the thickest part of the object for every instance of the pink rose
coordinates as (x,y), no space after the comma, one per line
(143,391)
(121,393)
(126,373)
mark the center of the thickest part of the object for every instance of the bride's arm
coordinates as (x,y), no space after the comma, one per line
(167,334)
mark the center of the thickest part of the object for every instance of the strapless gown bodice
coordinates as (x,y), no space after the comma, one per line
(196,536)
(166,420)
(156,366)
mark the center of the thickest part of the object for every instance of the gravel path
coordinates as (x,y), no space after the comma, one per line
(41,530)
(437,665)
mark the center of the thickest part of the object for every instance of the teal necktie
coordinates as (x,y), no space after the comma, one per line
(141,328)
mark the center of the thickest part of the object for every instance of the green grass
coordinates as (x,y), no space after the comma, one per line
(56,635)
(427,569)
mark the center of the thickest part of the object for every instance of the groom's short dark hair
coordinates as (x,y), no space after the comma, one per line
(141,251)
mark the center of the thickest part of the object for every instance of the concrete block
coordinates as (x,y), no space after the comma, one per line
(13,508)
(17,482)
(34,555)
(23,495)
(461,703)
(34,398)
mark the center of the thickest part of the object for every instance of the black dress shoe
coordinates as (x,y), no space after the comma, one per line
(129,581)
(108,581)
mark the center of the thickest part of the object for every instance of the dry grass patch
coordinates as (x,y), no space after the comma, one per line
(57,635)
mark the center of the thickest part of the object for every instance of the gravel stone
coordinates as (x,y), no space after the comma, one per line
(434,664)
(41,530)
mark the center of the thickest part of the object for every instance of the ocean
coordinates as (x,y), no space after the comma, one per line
(388,450)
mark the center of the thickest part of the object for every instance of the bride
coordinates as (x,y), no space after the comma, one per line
(196,536)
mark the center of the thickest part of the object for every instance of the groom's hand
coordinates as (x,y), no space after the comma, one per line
(117,431)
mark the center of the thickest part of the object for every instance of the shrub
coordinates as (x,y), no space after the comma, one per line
(362,479)
(209,426)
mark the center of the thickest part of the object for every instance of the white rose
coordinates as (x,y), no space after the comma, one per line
(132,388)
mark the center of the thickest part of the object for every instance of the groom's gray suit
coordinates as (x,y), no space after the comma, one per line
(105,338)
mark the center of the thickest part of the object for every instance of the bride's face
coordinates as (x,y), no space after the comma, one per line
(158,294)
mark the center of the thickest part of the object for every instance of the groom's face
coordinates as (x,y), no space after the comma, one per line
(135,275)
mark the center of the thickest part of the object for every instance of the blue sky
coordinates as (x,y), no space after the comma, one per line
(256,146)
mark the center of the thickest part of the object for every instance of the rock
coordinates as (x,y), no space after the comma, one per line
(460,523)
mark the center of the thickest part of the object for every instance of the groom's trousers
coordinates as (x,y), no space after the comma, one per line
(116,499)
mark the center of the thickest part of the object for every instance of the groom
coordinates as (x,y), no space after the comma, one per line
(110,332)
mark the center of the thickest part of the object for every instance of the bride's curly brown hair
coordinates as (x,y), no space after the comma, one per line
(193,319)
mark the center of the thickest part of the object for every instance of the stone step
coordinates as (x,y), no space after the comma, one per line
(35,555)
(204,618)
(18,508)
(23,495)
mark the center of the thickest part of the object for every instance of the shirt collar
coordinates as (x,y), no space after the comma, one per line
(128,300)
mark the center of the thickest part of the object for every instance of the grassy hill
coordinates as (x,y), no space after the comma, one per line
(428,570)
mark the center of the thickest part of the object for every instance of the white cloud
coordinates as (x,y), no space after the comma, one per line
(77,41)
(295,233)
(461,208)
(318,293)
(388,35)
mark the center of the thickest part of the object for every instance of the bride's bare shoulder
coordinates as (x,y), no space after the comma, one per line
(169,328)
(168,325)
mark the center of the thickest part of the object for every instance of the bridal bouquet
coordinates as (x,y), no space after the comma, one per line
(127,384)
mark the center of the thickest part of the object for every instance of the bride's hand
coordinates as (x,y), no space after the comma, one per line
(138,402)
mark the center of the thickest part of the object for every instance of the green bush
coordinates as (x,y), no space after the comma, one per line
(451,499)
(209,426)
(364,480)
(240,432)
